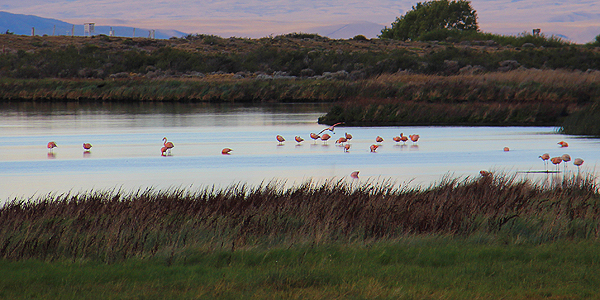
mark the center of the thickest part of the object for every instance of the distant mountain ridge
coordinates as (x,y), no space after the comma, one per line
(22,25)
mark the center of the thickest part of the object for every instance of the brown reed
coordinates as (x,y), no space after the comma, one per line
(114,225)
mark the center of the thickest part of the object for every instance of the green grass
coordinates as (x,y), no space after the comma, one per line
(410,268)
(474,238)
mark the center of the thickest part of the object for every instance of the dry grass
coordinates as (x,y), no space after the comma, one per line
(114,225)
(553,78)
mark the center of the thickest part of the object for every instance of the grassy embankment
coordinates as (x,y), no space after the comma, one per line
(523,97)
(490,237)
(461,81)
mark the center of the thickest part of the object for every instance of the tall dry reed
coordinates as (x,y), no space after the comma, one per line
(115,225)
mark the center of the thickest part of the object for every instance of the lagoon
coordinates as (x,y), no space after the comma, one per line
(127,138)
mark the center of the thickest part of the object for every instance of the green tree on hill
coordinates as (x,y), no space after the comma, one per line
(433,15)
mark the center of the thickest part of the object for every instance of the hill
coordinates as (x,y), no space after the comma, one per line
(23,24)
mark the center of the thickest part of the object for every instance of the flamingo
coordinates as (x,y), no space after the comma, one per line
(374,148)
(346,147)
(87,147)
(578,162)
(397,139)
(348,136)
(315,137)
(280,139)
(379,139)
(556,160)
(354,174)
(51,146)
(414,138)
(226,151)
(563,144)
(167,146)
(325,137)
(163,150)
(545,157)
(485,173)
(341,140)
(331,128)
(566,158)
(298,139)
(403,138)
(506,149)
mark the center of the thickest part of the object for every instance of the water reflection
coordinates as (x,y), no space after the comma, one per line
(127,139)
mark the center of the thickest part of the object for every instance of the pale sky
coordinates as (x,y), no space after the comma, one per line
(579,20)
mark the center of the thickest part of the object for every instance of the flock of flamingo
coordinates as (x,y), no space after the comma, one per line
(557,160)
(344,143)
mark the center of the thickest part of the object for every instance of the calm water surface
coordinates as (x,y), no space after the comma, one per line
(127,138)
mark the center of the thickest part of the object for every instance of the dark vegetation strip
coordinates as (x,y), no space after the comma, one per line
(48,57)
(112,226)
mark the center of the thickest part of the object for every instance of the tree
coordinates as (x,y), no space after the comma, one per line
(433,15)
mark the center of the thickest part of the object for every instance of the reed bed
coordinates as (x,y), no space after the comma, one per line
(113,225)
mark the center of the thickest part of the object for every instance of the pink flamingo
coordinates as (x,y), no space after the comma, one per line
(563,144)
(506,149)
(354,174)
(51,146)
(566,158)
(578,162)
(280,139)
(346,147)
(379,139)
(556,161)
(226,151)
(298,139)
(87,146)
(485,173)
(325,137)
(545,157)
(341,140)
(414,137)
(374,148)
(403,138)
(315,137)
(348,136)
(167,146)
(331,128)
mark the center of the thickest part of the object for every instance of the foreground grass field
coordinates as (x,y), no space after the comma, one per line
(476,238)
(409,268)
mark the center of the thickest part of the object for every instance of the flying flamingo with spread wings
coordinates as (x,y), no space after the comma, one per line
(331,128)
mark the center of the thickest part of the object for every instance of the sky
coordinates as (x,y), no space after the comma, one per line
(577,20)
